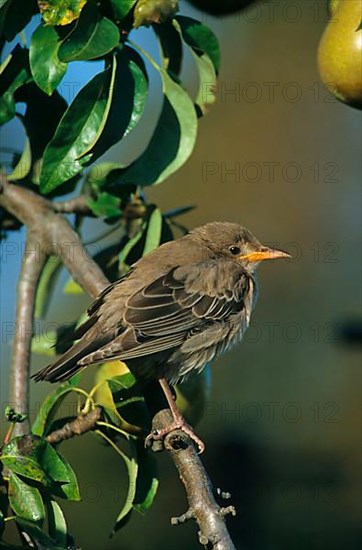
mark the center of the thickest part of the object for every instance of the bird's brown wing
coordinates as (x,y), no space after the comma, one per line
(93,310)
(162,315)
(89,339)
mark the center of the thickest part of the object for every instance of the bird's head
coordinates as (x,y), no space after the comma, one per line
(230,240)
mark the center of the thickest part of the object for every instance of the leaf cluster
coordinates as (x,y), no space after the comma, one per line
(35,475)
(110,106)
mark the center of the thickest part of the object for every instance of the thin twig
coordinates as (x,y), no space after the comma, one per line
(77,205)
(32,265)
(80,425)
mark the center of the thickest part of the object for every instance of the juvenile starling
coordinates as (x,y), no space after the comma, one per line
(177,309)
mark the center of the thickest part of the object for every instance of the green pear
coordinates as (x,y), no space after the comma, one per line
(340,53)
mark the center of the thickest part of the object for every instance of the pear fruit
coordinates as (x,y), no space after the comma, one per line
(340,53)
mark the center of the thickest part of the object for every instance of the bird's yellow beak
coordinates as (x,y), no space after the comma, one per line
(265,253)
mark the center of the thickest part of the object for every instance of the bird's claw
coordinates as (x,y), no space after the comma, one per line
(160,434)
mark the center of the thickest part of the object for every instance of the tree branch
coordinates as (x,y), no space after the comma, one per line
(54,235)
(68,246)
(77,205)
(48,232)
(80,425)
(203,508)
(32,265)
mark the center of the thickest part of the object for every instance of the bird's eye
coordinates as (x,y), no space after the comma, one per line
(235,250)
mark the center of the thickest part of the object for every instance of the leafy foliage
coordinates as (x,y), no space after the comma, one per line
(60,12)
(47,70)
(93,36)
(64,139)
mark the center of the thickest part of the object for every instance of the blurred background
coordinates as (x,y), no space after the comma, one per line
(282,423)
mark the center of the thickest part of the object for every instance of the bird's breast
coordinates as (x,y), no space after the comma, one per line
(216,338)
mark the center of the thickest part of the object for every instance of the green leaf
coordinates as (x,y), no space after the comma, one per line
(46,285)
(69,490)
(92,36)
(132,248)
(121,8)
(200,38)
(23,167)
(57,524)
(50,407)
(44,343)
(106,205)
(154,231)
(206,94)
(126,402)
(147,481)
(46,68)
(51,462)
(107,257)
(170,36)
(41,118)
(14,73)
(124,381)
(97,175)
(142,483)
(25,500)
(132,468)
(72,287)
(128,100)
(15,15)
(78,131)
(173,139)
(37,535)
(131,243)
(34,458)
(171,46)
(26,465)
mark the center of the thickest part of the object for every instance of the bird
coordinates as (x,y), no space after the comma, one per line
(176,309)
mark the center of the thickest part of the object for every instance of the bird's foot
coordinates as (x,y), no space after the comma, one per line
(177,424)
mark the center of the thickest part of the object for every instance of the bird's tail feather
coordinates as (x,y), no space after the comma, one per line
(67,364)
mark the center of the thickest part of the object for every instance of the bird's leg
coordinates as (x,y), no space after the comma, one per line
(179,423)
